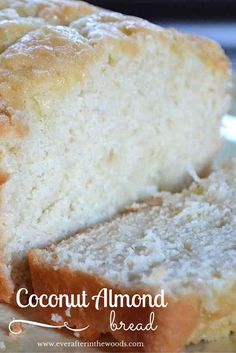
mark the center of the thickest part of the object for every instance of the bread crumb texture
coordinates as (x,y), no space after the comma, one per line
(97,110)
(187,247)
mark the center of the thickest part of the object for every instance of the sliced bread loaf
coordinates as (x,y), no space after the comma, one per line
(95,112)
(187,247)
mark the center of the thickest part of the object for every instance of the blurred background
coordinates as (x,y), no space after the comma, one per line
(215,19)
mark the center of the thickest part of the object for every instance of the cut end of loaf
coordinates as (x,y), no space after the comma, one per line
(132,108)
(185,246)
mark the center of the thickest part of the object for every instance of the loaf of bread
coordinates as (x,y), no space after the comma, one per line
(97,110)
(182,243)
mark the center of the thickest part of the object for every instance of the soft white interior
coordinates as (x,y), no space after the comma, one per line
(188,244)
(137,125)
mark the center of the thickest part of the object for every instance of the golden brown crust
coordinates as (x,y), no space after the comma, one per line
(4,177)
(54,58)
(208,51)
(175,323)
(103,24)
(61,12)
(10,127)
(6,285)
(14,29)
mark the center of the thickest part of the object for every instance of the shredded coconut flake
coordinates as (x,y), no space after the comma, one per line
(192,173)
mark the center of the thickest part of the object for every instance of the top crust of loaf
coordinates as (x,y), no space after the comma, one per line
(50,49)
(41,53)
(53,11)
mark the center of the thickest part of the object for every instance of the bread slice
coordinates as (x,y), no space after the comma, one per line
(97,110)
(187,247)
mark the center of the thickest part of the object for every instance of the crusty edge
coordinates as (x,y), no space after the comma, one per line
(10,127)
(175,323)
(44,66)
(57,12)
(6,285)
